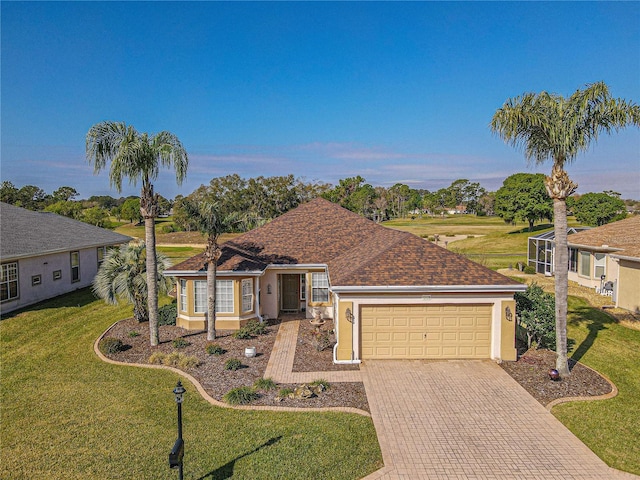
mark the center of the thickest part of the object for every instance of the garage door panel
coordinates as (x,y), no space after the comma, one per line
(426,331)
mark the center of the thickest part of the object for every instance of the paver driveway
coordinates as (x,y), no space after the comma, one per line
(469,420)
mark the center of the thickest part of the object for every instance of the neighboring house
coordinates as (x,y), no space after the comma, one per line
(391,294)
(44,255)
(541,249)
(607,258)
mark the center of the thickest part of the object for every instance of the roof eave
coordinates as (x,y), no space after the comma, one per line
(429,288)
(8,258)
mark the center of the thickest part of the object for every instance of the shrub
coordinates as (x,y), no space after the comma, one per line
(530,270)
(320,383)
(214,349)
(110,345)
(185,362)
(157,358)
(167,314)
(242,334)
(180,343)
(172,359)
(240,396)
(285,392)
(265,384)
(168,229)
(233,364)
(133,334)
(254,327)
(537,315)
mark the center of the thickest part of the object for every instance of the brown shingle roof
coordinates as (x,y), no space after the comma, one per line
(623,236)
(357,251)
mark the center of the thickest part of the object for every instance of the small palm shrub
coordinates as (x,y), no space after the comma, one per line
(180,343)
(254,327)
(172,359)
(264,384)
(186,362)
(167,314)
(240,396)
(214,349)
(320,383)
(110,345)
(134,334)
(242,334)
(233,364)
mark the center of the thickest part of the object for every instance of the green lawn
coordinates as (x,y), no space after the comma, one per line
(179,254)
(66,414)
(611,428)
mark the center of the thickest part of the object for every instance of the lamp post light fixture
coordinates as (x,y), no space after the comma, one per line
(177,452)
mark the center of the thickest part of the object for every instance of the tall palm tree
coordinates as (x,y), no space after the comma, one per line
(212,220)
(550,126)
(122,275)
(138,157)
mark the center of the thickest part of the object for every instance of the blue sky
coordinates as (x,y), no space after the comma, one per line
(391,91)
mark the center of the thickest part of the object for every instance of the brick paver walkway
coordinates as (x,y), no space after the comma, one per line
(469,420)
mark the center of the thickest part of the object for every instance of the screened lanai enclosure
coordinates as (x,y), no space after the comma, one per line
(541,249)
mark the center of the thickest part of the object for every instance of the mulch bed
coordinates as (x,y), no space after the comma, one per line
(217,381)
(532,372)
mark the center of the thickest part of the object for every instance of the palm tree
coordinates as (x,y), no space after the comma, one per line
(138,156)
(212,220)
(550,126)
(122,275)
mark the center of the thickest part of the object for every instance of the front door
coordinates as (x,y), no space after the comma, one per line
(290,293)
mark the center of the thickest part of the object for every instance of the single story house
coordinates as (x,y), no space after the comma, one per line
(44,255)
(607,258)
(391,294)
(541,248)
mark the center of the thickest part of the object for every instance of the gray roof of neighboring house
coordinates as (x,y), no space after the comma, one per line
(24,233)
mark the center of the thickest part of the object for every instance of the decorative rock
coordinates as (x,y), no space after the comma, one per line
(554,374)
(303,392)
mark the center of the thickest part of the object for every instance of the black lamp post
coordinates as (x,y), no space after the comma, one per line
(177,452)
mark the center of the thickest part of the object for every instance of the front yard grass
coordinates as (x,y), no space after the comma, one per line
(609,427)
(66,414)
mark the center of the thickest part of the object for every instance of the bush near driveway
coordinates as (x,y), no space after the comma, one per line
(68,415)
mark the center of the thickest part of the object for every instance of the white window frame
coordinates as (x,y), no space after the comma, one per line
(200,296)
(247,295)
(319,287)
(584,270)
(303,287)
(224,296)
(57,275)
(183,295)
(75,266)
(36,280)
(9,275)
(599,263)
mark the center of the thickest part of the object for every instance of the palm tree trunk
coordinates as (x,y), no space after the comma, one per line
(152,282)
(561,272)
(211,294)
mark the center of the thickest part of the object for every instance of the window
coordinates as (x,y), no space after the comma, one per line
(303,286)
(585,263)
(319,287)
(9,281)
(573,259)
(102,252)
(200,296)
(224,296)
(75,267)
(599,264)
(247,295)
(183,295)
(57,274)
(36,280)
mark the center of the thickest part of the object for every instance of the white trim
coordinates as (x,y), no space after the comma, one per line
(202,273)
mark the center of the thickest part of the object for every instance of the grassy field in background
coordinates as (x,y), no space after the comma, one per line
(179,254)
(68,415)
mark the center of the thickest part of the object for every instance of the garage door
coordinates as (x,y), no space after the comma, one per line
(425,331)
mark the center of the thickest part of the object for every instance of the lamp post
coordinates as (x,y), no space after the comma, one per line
(177,452)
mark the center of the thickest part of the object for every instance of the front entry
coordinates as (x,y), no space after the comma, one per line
(291,293)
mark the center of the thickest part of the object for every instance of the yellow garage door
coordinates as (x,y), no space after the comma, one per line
(425,331)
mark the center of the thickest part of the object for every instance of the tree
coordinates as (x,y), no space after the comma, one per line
(122,275)
(536,314)
(65,194)
(212,219)
(131,210)
(551,127)
(95,216)
(8,192)
(523,196)
(31,197)
(597,209)
(138,157)
(67,208)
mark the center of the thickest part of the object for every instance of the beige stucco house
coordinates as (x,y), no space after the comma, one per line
(391,294)
(43,255)
(607,258)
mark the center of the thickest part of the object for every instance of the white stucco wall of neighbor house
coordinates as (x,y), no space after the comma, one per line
(47,276)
